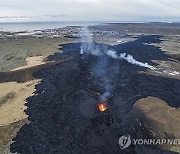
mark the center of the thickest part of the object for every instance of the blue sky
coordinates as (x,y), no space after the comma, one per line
(89,10)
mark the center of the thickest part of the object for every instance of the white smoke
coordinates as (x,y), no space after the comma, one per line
(112,54)
(87,42)
(100,69)
(105,95)
(129,58)
(96,51)
(82,51)
(88,46)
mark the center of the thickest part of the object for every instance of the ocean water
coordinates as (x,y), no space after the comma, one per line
(30,26)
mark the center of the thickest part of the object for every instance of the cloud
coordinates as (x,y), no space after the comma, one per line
(32,18)
(79,10)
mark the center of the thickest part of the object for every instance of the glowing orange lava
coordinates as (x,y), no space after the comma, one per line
(102,107)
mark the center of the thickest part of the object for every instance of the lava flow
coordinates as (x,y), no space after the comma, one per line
(102,107)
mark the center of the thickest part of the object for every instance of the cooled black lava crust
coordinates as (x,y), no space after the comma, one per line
(62,114)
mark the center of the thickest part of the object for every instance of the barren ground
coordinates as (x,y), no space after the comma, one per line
(160,115)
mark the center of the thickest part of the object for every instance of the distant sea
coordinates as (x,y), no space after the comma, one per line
(30,26)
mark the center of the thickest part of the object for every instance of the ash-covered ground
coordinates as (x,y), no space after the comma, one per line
(63,112)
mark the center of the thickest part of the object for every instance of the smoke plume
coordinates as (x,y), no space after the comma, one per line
(103,71)
(129,58)
(88,46)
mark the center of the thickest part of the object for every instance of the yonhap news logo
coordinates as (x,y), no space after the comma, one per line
(125,141)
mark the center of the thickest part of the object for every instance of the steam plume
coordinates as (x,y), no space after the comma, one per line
(87,42)
(103,76)
(129,58)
